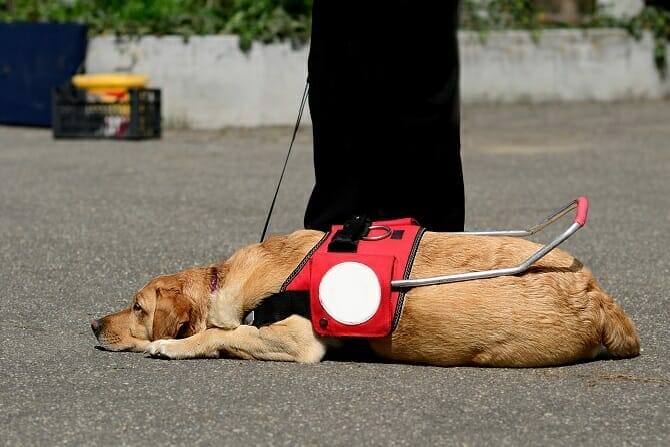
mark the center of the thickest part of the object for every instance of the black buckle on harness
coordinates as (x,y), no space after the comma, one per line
(346,239)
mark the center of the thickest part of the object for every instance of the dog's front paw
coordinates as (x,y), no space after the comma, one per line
(165,349)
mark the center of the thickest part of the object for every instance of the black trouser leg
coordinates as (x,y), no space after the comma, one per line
(385,112)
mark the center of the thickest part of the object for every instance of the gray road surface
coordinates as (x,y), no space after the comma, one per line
(84,224)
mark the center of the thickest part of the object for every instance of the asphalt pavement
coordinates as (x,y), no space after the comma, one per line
(84,224)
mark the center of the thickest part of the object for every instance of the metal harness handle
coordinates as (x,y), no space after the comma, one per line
(580,203)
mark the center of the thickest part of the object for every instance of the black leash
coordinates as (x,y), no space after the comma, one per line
(288,155)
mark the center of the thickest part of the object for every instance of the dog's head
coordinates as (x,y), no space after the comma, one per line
(178,306)
(171,306)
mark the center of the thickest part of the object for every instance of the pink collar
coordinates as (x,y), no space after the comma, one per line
(214,280)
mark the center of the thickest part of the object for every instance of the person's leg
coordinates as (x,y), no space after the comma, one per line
(385,113)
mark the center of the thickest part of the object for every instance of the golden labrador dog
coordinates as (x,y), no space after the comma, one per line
(554,314)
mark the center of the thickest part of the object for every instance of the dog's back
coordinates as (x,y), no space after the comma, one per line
(556,313)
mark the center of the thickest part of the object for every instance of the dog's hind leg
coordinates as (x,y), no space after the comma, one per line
(289,340)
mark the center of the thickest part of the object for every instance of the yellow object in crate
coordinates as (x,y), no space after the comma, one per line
(110,87)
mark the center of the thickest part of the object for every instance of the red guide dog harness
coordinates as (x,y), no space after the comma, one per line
(349,284)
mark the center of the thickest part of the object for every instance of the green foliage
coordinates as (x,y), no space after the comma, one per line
(277,20)
(270,20)
(489,15)
(262,20)
(658,22)
(486,15)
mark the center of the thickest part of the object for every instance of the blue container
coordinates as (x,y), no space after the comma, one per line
(34,59)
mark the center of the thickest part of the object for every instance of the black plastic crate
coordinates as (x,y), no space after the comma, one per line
(77,114)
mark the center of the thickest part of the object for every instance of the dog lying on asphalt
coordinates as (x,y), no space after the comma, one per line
(554,314)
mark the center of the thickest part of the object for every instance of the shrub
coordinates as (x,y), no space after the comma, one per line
(277,20)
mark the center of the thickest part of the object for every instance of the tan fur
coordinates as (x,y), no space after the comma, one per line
(168,306)
(552,315)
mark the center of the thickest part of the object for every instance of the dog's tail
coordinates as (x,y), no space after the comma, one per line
(618,333)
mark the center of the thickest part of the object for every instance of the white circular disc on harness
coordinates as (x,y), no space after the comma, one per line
(350,292)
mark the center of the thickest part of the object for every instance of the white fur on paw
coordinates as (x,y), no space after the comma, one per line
(163,349)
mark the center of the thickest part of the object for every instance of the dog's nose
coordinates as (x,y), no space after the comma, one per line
(95,326)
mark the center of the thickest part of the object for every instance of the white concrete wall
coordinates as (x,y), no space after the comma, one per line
(564,65)
(209,83)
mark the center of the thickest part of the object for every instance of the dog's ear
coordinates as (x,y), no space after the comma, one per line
(172,314)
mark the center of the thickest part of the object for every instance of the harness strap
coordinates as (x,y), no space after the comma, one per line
(280,306)
(346,239)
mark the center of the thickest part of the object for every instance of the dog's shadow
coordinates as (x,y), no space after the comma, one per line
(359,351)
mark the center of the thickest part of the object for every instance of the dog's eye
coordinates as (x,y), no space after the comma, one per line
(137,307)
(181,332)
